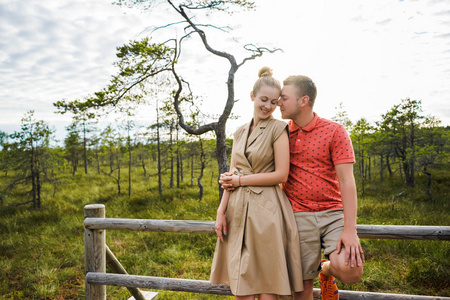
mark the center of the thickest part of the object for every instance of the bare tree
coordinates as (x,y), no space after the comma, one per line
(141,62)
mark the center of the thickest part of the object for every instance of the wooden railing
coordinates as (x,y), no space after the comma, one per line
(97,255)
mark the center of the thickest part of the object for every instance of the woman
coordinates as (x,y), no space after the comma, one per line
(258,251)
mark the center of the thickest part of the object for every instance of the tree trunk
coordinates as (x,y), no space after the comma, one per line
(412,172)
(33,177)
(38,182)
(129,165)
(409,173)
(413,147)
(363,173)
(429,183)
(118,174)
(143,165)
(388,165)
(361,161)
(85,148)
(159,152)
(202,160)
(111,159)
(171,157)
(221,154)
(381,168)
(192,170)
(181,167)
(178,158)
(178,170)
(74,166)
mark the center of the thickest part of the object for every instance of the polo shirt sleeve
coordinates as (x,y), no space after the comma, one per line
(342,148)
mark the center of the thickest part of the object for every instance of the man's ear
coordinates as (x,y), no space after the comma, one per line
(304,100)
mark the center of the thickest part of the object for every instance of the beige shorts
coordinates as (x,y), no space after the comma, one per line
(317,231)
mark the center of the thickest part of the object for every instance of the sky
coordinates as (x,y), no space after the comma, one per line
(367,55)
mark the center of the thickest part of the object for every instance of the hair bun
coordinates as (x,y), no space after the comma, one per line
(265,71)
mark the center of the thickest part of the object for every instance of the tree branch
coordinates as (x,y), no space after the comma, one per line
(257,52)
(196,131)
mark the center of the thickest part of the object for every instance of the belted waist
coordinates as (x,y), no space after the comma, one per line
(245,172)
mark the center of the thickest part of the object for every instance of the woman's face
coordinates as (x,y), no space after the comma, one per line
(265,101)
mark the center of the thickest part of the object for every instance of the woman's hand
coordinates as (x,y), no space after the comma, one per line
(221,226)
(229,181)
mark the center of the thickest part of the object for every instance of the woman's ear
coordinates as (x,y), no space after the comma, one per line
(251,95)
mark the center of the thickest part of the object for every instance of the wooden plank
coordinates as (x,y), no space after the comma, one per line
(151,225)
(159,283)
(364,231)
(404,232)
(355,295)
(205,287)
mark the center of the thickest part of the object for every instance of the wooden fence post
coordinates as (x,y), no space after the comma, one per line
(95,252)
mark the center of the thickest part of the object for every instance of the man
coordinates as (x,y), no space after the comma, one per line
(322,191)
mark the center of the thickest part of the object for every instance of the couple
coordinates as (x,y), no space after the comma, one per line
(270,239)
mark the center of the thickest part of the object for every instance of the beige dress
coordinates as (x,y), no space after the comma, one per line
(261,253)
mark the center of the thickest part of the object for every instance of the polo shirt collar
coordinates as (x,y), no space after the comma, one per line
(293,127)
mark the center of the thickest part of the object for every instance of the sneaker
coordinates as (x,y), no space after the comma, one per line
(328,287)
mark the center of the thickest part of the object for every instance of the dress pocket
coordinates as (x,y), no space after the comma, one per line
(265,200)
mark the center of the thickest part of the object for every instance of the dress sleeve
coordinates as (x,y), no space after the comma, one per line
(278,128)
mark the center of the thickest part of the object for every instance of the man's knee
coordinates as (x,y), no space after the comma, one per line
(352,275)
(346,274)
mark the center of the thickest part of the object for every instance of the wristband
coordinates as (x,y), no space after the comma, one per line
(240,180)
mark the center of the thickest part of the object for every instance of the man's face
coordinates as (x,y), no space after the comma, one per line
(288,103)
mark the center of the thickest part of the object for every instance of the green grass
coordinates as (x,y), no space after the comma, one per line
(42,251)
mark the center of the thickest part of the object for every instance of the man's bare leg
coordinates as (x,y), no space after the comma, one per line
(307,293)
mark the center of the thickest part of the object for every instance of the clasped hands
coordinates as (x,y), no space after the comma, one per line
(229,181)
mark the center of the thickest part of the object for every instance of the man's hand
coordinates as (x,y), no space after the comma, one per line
(354,255)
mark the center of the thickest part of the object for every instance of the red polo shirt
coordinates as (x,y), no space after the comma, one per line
(315,149)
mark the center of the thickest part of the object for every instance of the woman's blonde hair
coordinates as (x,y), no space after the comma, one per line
(265,78)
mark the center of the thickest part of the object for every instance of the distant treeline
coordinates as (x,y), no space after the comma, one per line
(401,144)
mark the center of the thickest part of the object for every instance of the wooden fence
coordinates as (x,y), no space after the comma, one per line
(97,255)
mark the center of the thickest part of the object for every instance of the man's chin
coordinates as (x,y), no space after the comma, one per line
(284,116)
